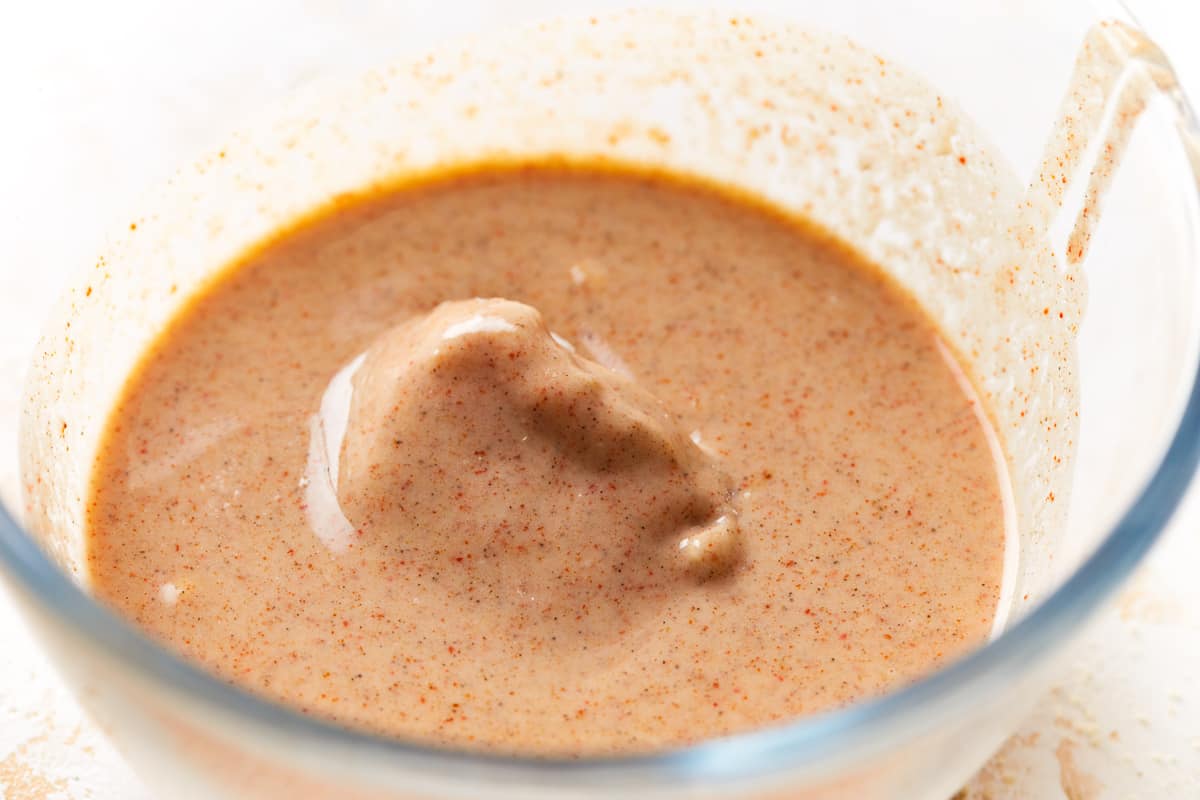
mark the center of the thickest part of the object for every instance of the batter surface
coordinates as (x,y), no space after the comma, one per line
(552,460)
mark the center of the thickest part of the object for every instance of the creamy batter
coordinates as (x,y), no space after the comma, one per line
(552,460)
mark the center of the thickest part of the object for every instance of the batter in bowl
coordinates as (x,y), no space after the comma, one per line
(553,460)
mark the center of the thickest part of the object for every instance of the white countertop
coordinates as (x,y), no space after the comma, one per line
(1123,721)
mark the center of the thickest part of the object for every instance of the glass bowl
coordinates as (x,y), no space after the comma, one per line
(1008,67)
